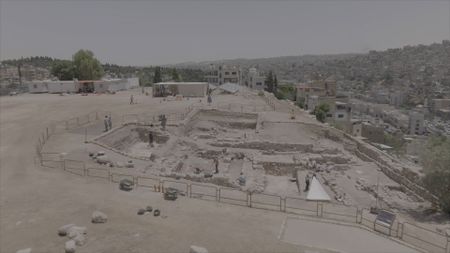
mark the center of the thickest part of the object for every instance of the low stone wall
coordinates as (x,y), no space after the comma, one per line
(385,164)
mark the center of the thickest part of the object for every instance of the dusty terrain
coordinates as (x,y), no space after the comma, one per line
(36,201)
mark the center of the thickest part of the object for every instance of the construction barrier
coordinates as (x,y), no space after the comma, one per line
(233,196)
(424,238)
(182,187)
(340,212)
(75,167)
(149,182)
(301,206)
(266,201)
(98,172)
(117,177)
(203,191)
(51,160)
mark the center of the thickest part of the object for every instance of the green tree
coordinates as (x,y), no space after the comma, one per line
(435,159)
(269,82)
(275,83)
(86,66)
(175,75)
(64,70)
(321,112)
(157,76)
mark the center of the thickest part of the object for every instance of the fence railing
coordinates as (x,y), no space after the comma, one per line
(420,237)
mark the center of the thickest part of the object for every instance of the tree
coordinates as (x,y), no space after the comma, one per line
(435,160)
(157,76)
(175,75)
(321,112)
(269,82)
(86,66)
(275,83)
(64,70)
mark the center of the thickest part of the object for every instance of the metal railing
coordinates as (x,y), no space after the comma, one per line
(420,237)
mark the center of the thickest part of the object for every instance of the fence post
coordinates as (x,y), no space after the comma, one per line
(85,135)
(219,194)
(47,132)
(249,199)
(447,246)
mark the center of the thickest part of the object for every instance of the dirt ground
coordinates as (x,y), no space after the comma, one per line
(36,201)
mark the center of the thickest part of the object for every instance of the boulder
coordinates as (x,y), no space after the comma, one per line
(197,249)
(62,231)
(80,239)
(141,211)
(99,217)
(24,250)
(70,246)
(103,159)
(75,231)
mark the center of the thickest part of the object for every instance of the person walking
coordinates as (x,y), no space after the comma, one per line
(131,99)
(106,123)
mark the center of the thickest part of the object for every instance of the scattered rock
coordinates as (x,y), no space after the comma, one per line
(141,211)
(75,231)
(70,246)
(197,249)
(99,217)
(148,209)
(103,159)
(80,240)
(62,231)
(156,212)
(24,250)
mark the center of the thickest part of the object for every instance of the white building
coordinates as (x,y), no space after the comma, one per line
(253,79)
(53,86)
(223,74)
(98,86)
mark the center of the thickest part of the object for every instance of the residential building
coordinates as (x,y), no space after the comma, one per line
(416,123)
(397,98)
(223,74)
(253,79)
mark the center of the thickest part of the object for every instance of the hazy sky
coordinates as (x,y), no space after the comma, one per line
(162,32)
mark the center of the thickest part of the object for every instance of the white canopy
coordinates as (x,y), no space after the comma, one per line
(316,191)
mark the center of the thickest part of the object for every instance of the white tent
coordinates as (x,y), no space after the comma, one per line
(316,191)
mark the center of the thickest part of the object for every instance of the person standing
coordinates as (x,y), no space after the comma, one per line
(150,138)
(106,123)
(209,99)
(307,182)
(109,122)
(216,165)
(163,122)
(131,99)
